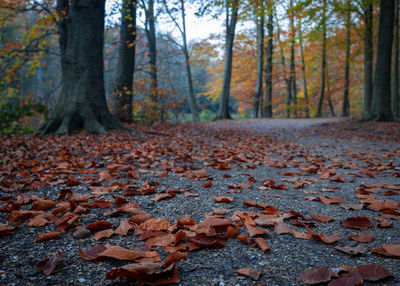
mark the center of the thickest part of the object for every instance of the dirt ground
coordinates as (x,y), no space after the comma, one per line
(254,175)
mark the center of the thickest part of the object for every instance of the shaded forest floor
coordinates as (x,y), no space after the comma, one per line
(278,196)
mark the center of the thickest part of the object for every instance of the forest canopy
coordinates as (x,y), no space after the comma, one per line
(281,59)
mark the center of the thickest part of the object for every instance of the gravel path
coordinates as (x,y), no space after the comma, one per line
(295,153)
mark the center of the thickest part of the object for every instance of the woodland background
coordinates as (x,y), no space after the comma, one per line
(294,58)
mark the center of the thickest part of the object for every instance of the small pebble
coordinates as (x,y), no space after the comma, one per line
(81,233)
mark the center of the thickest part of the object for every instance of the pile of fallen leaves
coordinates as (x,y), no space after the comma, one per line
(110,165)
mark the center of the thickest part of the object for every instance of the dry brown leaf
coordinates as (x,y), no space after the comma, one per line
(48,265)
(360,222)
(47,236)
(249,272)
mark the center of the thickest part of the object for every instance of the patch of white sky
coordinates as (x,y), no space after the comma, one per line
(198,28)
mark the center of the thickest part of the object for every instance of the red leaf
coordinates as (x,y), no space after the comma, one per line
(48,265)
(100,204)
(249,272)
(98,225)
(362,237)
(47,236)
(207,185)
(359,222)
(316,276)
(373,272)
(222,199)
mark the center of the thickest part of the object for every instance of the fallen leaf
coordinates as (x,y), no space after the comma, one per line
(164,196)
(222,199)
(262,244)
(352,278)
(92,253)
(316,276)
(356,250)
(43,205)
(359,222)
(320,218)
(103,234)
(47,236)
(98,225)
(373,272)
(392,249)
(155,224)
(48,265)
(362,237)
(249,272)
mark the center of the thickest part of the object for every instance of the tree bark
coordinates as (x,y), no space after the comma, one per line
(323,64)
(381,93)
(346,104)
(395,80)
(303,68)
(82,103)
(292,76)
(151,39)
(286,79)
(126,62)
(269,64)
(231,19)
(191,96)
(260,58)
(368,59)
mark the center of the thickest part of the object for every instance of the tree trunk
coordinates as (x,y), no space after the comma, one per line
(223,111)
(82,103)
(395,80)
(303,68)
(368,59)
(381,94)
(323,65)
(286,79)
(126,62)
(346,104)
(260,59)
(151,39)
(191,96)
(292,76)
(269,64)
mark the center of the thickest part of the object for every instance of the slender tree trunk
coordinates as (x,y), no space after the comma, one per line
(286,79)
(323,64)
(260,59)
(303,68)
(368,59)
(231,19)
(328,94)
(346,104)
(381,94)
(292,76)
(269,65)
(151,39)
(82,103)
(395,80)
(191,95)
(126,62)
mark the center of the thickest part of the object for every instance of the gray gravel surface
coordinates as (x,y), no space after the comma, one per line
(345,146)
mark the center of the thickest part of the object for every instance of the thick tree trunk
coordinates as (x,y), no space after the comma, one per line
(126,62)
(303,68)
(260,60)
(323,64)
(292,76)
(269,64)
(191,96)
(395,80)
(82,103)
(231,19)
(381,94)
(346,104)
(368,59)
(151,39)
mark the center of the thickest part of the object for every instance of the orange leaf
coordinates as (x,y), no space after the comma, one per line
(47,236)
(103,234)
(262,244)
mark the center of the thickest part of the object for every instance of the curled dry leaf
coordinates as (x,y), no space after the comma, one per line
(124,227)
(281,228)
(164,196)
(47,236)
(48,265)
(249,272)
(222,199)
(262,244)
(356,250)
(103,234)
(207,241)
(92,253)
(316,276)
(321,218)
(5,229)
(362,237)
(98,225)
(352,278)
(373,272)
(359,222)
